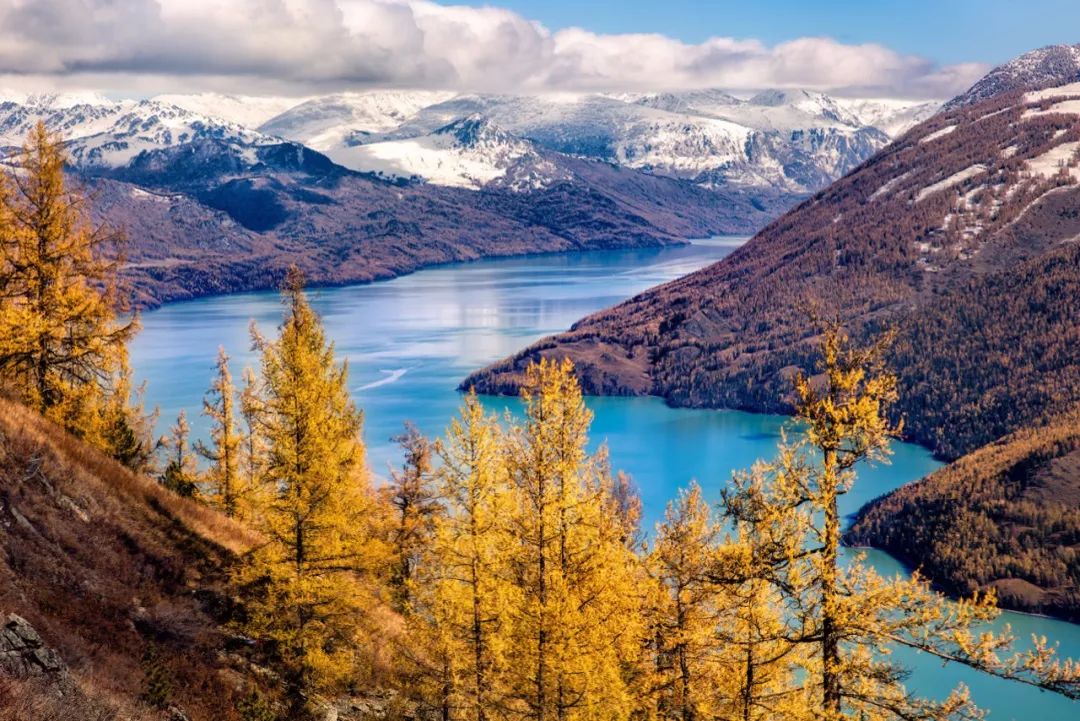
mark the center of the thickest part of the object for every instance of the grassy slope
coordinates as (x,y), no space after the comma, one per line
(102,562)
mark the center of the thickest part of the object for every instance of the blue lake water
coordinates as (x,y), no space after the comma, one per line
(411,340)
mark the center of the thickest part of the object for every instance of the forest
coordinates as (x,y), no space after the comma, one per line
(502,571)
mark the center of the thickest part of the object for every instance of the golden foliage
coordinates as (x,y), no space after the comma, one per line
(61,345)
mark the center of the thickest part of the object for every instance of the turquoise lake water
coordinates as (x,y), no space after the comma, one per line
(411,340)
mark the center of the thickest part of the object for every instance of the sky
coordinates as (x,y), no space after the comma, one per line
(869,48)
(949,31)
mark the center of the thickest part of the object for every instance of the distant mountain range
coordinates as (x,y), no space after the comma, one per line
(964,234)
(221,193)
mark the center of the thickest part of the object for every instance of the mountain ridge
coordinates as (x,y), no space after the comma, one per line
(957,206)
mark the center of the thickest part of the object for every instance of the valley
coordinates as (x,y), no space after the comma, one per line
(409,340)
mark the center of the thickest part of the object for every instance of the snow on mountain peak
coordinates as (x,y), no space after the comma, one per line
(1045,67)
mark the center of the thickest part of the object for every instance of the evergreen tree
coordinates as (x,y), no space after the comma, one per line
(222,480)
(61,345)
(307,587)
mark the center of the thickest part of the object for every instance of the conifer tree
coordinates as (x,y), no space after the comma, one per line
(688,614)
(252,444)
(61,344)
(843,616)
(415,508)
(578,623)
(307,588)
(471,594)
(222,480)
(180,474)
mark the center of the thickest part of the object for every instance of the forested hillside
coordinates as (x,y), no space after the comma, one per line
(1006,517)
(952,234)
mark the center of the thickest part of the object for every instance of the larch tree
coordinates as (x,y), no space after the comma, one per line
(414,509)
(180,474)
(470,589)
(252,443)
(62,346)
(686,617)
(307,588)
(578,623)
(222,480)
(845,617)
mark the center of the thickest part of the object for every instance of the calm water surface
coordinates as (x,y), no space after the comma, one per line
(411,340)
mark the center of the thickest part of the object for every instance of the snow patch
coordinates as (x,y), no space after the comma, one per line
(937,134)
(1051,162)
(1062,91)
(1068,107)
(953,180)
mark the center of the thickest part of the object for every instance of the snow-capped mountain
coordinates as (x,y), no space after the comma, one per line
(1046,67)
(789,141)
(794,141)
(105,134)
(468,153)
(345,119)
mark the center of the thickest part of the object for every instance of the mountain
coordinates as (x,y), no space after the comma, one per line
(98,565)
(1006,516)
(964,236)
(210,205)
(1047,67)
(214,216)
(103,134)
(963,225)
(468,153)
(791,141)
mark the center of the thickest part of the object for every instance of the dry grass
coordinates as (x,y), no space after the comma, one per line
(87,465)
(103,562)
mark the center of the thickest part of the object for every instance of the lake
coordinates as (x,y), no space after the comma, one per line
(411,340)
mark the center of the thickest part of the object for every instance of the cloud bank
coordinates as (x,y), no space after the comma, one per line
(301,46)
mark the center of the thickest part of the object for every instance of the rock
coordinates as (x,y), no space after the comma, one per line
(23,653)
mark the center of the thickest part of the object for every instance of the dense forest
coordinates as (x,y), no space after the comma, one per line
(500,573)
(1006,517)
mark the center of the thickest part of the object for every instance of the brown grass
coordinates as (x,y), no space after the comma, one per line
(21,426)
(103,562)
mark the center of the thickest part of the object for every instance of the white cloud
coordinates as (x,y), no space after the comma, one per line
(299,46)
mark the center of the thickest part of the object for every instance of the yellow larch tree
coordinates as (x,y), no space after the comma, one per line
(844,616)
(578,624)
(471,593)
(180,474)
(414,508)
(223,487)
(689,680)
(252,445)
(62,346)
(307,588)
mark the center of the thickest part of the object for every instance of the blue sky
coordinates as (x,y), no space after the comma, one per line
(948,31)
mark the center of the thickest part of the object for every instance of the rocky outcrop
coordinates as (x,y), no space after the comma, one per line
(23,653)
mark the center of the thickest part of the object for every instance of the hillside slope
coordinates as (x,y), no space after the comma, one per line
(952,233)
(1006,516)
(103,564)
(209,216)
